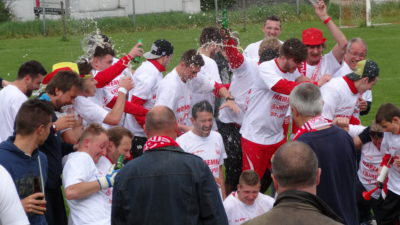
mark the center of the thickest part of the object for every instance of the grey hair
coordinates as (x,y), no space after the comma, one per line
(354,40)
(306,99)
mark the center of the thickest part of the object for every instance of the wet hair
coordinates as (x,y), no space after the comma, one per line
(192,58)
(269,43)
(210,34)
(84,66)
(31,115)
(307,99)
(116,134)
(93,129)
(32,69)
(295,165)
(103,51)
(294,49)
(387,112)
(249,177)
(64,81)
(203,106)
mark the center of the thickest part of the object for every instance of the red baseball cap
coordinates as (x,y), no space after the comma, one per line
(312,36)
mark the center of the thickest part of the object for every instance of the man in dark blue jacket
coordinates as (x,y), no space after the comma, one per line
(23,160)
(166,185)
(334,149)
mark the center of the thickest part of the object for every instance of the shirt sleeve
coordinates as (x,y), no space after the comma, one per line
(11,210)
(90,111)
(166,96)
(74,171)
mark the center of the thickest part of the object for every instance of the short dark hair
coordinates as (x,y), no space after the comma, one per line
(93,129)
(295,165)
(64,81)
(192,58)
(116,134)
(32,69)
(210,34)
(160,118)
(273,18)
(387,112)
(294,49)
(100,51)
(31,115)
(249,177)
(84,66)
(203,106)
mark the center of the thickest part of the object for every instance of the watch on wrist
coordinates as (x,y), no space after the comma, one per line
(230,99)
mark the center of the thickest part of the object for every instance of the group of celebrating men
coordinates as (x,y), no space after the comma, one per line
(176,132)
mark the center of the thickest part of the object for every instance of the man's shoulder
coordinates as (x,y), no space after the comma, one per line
(12,93)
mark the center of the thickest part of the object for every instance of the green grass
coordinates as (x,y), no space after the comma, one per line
(383,43)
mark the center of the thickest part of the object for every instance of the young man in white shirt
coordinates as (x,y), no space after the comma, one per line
(272,29)
(341,94)
(176,89)
(30,75)
(83,182)
(388,116)
(147,78)
(262,131)
(317,65)
(204,142)
(120,142)
(247,202)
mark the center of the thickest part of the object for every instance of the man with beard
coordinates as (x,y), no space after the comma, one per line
(30,75)
(62,90)
(21,157)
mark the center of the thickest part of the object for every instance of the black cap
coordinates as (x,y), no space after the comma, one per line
(159,49)
(364,68)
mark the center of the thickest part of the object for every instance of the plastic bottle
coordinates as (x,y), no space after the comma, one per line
(120,162)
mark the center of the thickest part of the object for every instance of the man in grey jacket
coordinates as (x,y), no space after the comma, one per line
(296,175)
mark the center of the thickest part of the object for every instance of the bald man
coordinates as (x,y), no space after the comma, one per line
(166,185)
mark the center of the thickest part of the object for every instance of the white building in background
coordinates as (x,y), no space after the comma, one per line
(79,9)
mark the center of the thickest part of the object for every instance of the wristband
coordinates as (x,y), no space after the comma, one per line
(122,90)
(327,20)
(230,99)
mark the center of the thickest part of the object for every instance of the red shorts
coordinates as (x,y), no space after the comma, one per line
(257,157)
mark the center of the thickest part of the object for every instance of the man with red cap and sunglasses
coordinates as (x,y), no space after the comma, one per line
(317,64)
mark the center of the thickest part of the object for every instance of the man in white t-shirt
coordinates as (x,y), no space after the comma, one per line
(340,94)
(30,75)
(11,211)
(83,182)
(147,78)
(204,142)
(272,29)
(247,202)
(120,141)
(176,89)
(262,131)
(317,65)
(356,51)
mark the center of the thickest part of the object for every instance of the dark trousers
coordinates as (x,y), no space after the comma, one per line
(389,210)
(233,163)
(365,206)
(55,208)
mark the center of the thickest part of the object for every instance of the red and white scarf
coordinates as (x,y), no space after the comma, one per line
(158,142)
(303,70)
(312,125)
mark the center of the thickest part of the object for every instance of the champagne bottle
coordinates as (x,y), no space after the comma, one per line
(137,58)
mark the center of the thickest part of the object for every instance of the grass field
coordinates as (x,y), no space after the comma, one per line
(383,43)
